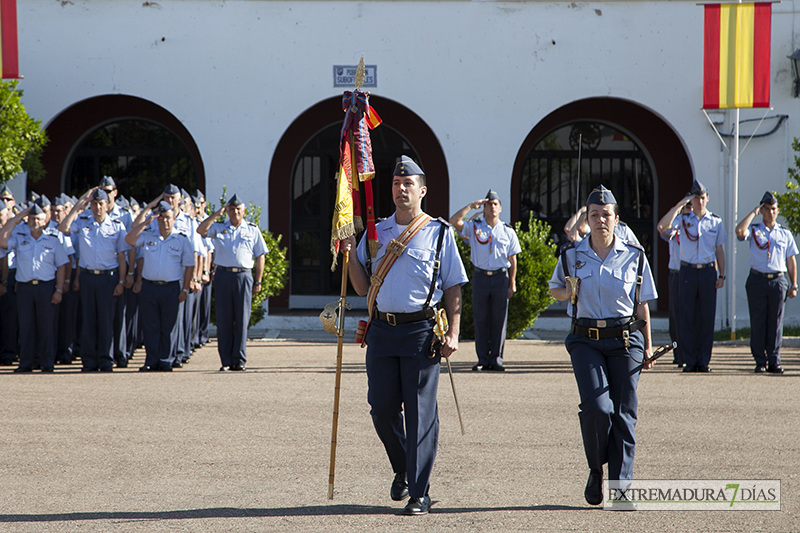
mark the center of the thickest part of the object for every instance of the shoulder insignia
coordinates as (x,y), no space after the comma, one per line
(84,215)
(509,226)
(568,246)
(252,224)
(634,245)
(445,222)
(714,215)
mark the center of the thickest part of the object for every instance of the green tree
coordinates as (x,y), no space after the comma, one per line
(276,267)
(535,264)
(22,138)
(789,201)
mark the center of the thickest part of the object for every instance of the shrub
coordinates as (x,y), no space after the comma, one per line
(789,201)
(535,264)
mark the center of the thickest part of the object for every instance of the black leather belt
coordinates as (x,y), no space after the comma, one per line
(235,270)
(603,330)
(35,281)
(490,272)
(154,282)
(672,271)
(100,272)
(768,275)
(697,265)
(393,319)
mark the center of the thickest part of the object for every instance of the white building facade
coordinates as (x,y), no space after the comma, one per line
(485,94)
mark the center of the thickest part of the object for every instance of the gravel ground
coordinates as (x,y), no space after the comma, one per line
(200,450)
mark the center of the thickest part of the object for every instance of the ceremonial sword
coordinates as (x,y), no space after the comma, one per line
(439,329)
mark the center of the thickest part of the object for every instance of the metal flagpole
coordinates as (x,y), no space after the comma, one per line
(735,211)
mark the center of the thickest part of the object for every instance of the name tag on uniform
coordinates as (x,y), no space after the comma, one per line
(579,264)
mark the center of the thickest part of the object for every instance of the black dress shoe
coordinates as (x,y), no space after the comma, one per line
(702,369)
(23,370)
(496,368)
(594,488)
(760,369)
(478,368)
(224,368)
(689,368)
(166,368)
(399,490)
(147,368)
(775,369)
(238,367)
(177,364)
(417,506)
(107,369)
(121,362)
(47,369)
(88,369)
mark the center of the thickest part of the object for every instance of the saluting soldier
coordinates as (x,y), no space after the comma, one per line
(702,236)
(9,330)
(8,197)
(41,261)
(402,372)
(68,307)
(493,251)
(609,338)
(772,251)
(205,293)
(239,255)
(103,265)
(167,277)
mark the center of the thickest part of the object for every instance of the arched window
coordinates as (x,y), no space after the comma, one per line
(313,190)
(141,155)
(555,183)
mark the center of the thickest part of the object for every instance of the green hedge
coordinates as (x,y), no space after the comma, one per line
(535,264)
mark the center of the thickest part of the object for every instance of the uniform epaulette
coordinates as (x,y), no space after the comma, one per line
(570,245)
(117,221)
(252,224)
(714,215)
(445,222)
(634,245)
(621,223)
(85,215)
(181,232)
(508,225)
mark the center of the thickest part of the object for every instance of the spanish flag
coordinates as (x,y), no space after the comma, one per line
(736,55)
(9,57)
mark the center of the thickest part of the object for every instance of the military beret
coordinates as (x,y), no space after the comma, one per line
(99,195)
(601,196)
(698,189)
(235,201)
(769,199)
(171,189)
(407,167)
(108,181)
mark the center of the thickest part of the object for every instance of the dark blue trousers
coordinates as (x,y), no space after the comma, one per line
(401,377)
(66,323)
(674,311)
(159,308)
(37,317)
(132,340)
(698,308)
(205,313)
(765,299)
(120,332)
(490,313)
(9,326)
(607,375)
(233,296)
(98,305)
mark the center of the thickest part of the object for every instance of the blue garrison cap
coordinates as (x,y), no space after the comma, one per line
(107,181)
(698,189)
(74,199)
(769,199)
(407,167)
(42,201)
(32,197)
(601,196)
(172,189)
(122,202)
(163,207)
(184,193)
(6,193)
(36,210)
(134,202)
(61,199)
(199,194)
(235,201)
(196,201)
(100,194)
(492,195)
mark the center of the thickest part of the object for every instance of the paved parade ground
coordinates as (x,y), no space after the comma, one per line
(198,450)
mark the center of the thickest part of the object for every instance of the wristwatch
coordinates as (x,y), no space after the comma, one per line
(722,277)
(793,288)
(186,291)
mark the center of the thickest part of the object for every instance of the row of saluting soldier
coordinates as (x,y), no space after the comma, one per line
(95,277)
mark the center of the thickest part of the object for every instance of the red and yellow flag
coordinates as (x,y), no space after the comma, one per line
(9,56)
(736,55)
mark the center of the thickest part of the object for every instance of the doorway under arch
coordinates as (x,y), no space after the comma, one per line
(303,169)
(670,167)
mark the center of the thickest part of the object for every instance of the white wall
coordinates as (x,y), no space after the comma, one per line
(481,74)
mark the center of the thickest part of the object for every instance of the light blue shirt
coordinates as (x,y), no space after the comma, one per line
(607,287)
(236,247)
(778,241)
(674,248)
(37,258)
(494,254)
(407,284)
(99,243)
(699,238)
(164,259)
(124,216)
